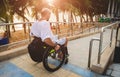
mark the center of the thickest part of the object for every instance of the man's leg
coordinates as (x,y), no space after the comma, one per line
(64,42)
(66,51)
(65,45)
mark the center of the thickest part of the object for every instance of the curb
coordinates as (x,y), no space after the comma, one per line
(5,55)
(13,53)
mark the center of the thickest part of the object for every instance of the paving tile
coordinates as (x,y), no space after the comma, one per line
(109,72)
(41,73)
(115,74)
(62,73)
(16,60)
(116,67)
(111,66)
(73,75)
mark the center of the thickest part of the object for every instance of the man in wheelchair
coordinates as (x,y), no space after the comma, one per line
(41,29)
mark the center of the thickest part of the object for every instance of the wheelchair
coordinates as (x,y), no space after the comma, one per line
(52,59)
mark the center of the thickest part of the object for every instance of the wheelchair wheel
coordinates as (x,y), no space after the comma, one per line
(52,61)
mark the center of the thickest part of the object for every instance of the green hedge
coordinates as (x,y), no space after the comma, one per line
(104,20)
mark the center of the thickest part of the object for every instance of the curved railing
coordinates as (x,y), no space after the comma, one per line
(101,42)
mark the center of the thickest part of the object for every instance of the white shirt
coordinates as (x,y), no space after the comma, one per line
(1,38)
(42,29)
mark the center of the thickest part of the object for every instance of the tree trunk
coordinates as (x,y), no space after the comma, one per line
(81,26)
(87,19)
(91,18)
(13,27)
(57,19)
(8,28)
(72,20)
(36,15)
(63,16)
(83,18)
(75,18)
(24,26)
(64,20)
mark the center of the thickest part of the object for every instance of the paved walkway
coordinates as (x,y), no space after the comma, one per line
(114,70)
(23,66)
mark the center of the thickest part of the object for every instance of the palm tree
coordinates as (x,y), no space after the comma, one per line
(66,6)
(99,7)
(19,8)
(118,8)
(113,8)
(36,6)
(4,10)
(9,8)
(4,14)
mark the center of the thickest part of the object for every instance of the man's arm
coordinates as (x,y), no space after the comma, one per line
(49,42)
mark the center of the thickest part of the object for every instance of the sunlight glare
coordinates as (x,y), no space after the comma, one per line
(50,2)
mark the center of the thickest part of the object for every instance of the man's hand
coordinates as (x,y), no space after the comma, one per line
(57,47)
(49,42)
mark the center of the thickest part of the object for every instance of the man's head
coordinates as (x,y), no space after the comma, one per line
(45,13)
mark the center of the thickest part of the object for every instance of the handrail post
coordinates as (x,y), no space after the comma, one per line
(29,31)
(90,51)
(100,46)
(111,36)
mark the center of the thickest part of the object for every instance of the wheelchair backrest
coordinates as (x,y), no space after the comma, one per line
(36,49)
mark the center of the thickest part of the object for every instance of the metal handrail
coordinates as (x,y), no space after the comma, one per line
(100,43)
(15,23)
(101,39)
(90,50)
(29,23)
